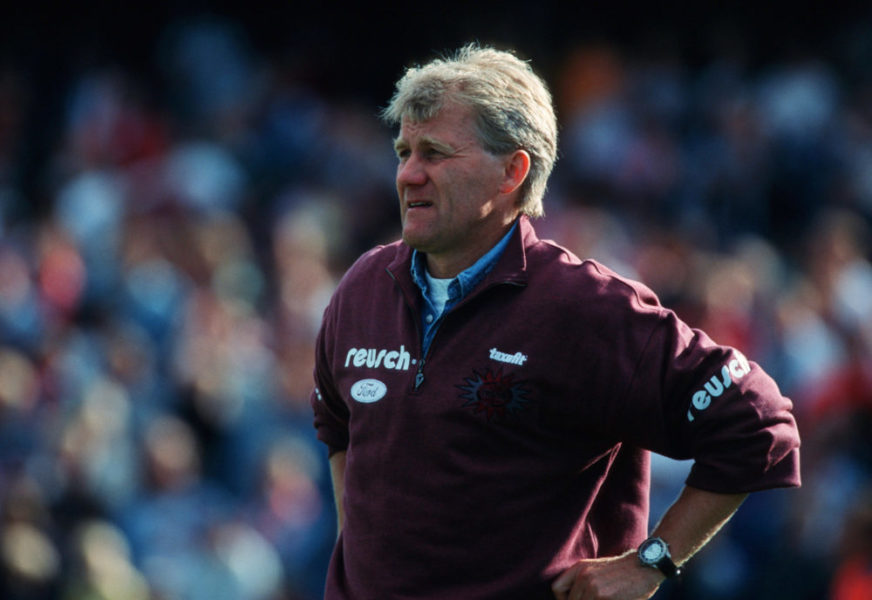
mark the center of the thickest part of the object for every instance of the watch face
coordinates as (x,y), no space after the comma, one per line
(652,551)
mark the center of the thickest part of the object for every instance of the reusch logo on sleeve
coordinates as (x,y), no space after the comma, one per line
(718,383)
(373,358)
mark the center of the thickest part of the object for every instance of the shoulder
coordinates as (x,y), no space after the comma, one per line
(588,281)
(369,279)
(375,261)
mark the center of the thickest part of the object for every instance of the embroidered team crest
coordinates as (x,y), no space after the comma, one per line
(494,394)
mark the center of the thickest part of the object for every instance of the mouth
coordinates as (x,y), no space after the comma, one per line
(419,204)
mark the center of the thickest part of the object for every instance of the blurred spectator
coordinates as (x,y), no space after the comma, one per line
(101,566)
(290,511)
(30,560)
(169,525)
(853,576)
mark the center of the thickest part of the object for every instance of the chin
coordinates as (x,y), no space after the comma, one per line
(416,241)
(415,244)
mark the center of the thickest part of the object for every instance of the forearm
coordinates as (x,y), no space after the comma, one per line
(693,519)
(337,474)
(686,526)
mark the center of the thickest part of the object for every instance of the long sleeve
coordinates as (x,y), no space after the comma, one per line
(710,403)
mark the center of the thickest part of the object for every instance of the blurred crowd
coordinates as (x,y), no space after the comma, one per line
(162,285)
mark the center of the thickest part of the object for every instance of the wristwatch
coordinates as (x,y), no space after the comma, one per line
(654,552)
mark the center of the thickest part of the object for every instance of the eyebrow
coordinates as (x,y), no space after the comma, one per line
(401,144)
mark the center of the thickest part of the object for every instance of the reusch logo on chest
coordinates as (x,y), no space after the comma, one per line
(373,358)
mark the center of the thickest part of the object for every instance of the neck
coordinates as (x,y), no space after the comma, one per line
(446,266)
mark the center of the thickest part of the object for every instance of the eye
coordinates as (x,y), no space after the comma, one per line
(403,153)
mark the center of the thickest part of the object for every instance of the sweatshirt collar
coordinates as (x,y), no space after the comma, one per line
(469,278)
(511,267)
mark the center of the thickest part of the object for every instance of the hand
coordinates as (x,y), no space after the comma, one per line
(615,578)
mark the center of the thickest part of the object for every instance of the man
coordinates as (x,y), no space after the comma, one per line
(489,400)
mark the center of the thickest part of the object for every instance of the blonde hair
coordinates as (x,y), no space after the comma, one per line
(512,106)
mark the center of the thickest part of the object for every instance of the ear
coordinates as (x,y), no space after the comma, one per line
(517,167)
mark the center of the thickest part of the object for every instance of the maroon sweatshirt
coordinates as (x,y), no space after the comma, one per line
(520,443)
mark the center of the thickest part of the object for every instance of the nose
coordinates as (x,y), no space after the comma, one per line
(411,172)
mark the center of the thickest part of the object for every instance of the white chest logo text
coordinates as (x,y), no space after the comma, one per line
(719,382)
(368,391)
(374,358)
(513,359)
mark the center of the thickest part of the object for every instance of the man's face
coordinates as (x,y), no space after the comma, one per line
(451,204)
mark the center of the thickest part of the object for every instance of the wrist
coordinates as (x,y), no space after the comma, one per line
(654,553)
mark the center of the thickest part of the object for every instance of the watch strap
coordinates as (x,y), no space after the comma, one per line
(668,568)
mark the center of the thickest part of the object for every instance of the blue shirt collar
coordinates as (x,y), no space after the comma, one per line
(466,280)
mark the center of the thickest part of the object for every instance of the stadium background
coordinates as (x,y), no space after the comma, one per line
(181,185)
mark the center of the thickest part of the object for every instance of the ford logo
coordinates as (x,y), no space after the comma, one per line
(368,391)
